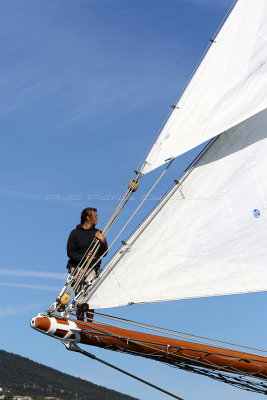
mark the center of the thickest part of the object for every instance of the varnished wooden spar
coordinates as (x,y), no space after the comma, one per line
(167,350)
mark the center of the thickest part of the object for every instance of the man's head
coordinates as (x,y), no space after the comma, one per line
(89,215)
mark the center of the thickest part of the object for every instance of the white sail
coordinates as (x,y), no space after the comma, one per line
(229,86)
(210,237)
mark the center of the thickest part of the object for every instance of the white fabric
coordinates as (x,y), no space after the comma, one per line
(229,86)
(206,240)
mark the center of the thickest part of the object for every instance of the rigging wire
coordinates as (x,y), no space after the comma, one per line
(181,92)
(74,347)
(212,40)
(146,343)
(237,381)
(83,269)
(176,333)
(134,213)
(198,367)
(118,198)
(178,348)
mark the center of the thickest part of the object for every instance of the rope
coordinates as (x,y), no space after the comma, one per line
(83,270)
(124,188)
(80,269)
(181,92)
(118,210)
(238,382)
(137,209)
(74,347)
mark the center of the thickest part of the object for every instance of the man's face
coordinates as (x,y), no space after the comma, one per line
(93,218)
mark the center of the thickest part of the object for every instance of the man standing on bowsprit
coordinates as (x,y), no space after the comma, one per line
(80,239)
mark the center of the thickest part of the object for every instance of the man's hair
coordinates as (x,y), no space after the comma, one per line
(87,212)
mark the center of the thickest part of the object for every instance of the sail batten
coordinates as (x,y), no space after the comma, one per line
(209,237)
(228,87)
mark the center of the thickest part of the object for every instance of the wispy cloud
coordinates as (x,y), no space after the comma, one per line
(32,274)
(21,194)
(69,69)
(29,286)
(9,310)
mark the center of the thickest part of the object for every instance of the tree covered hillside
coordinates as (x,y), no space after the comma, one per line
(23,376)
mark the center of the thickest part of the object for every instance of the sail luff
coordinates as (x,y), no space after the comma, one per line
(227,88)
(187,83)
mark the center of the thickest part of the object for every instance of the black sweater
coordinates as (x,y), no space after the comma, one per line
(78,243)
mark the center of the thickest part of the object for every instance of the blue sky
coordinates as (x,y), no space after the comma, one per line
(84,85)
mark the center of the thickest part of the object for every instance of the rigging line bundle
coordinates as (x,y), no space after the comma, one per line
(70,286)
(119,199)
(240,382)
(83,271)
(133,185)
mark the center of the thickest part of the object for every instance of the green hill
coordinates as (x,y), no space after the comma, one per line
(26,377)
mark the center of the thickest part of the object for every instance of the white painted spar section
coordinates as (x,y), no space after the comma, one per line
(210,238)
(229,86)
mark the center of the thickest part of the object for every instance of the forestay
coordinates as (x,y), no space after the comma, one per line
(209,238)
(229,86)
